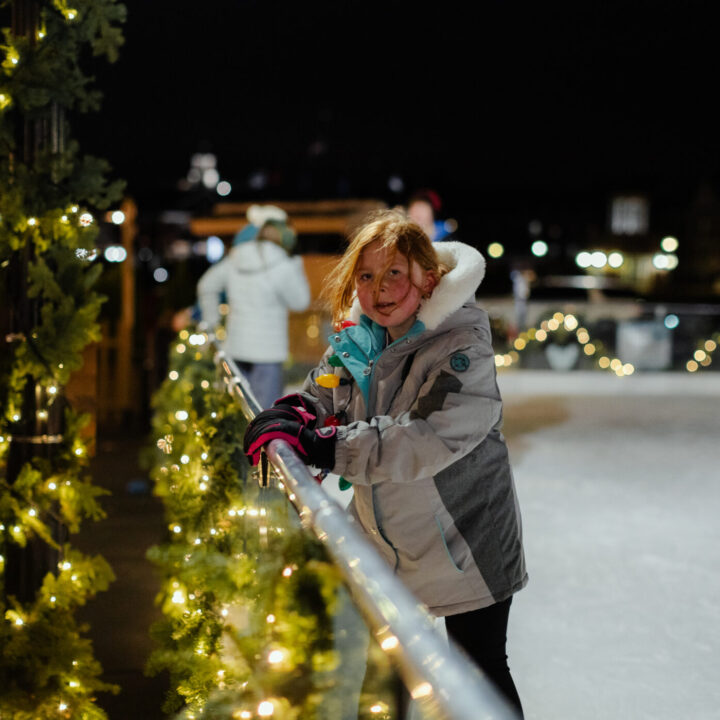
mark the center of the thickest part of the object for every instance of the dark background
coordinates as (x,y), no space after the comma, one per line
(502,107)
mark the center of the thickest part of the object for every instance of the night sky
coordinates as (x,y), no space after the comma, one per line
(485,101)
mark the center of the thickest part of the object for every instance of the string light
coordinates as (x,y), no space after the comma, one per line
(554,324)
(702,357)
(389,643)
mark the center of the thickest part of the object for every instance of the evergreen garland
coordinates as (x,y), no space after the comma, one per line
(248,595)
(47,234)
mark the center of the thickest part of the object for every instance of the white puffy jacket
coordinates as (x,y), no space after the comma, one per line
(261,283)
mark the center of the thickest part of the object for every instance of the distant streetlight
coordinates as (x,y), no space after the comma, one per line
(660,261)
(495,250)
(669,244)
(539,248)
(598,259)
(583,259)
(615,259)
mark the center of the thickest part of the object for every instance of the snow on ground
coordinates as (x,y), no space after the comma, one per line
(619,486)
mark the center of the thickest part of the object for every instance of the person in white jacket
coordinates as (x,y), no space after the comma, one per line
(261,282)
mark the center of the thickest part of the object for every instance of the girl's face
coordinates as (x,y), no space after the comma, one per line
(390,294)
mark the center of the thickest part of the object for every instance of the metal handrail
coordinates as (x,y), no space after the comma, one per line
(437,674)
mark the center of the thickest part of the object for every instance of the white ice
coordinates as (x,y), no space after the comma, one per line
(619,486)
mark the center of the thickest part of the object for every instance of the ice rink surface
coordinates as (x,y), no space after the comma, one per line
(619,486)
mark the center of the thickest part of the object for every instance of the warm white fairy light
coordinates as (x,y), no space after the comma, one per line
(173,375)
(176,529)
(422,690)
(287,572)
(184,459)
(390,643)
(276,656)
(32,512)
(265,709)
(178,597)
(181,415)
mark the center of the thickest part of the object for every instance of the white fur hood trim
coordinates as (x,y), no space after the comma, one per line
(467,270)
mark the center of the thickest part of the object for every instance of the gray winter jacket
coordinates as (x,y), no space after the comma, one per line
(420,441)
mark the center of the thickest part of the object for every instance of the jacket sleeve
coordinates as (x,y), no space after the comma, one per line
(291,284)
(209,287)
(457,406)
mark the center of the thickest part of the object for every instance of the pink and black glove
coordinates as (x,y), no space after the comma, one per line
(304,412)
(315,447)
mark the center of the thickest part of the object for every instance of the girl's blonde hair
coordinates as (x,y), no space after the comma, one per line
(396,234)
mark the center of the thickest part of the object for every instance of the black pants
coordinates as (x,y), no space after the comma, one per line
(483,635)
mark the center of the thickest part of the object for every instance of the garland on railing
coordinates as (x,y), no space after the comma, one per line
(248,596)
(47,233)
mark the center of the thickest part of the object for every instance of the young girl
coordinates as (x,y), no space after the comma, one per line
(405,406)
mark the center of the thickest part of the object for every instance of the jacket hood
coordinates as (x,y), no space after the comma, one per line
(456,287)
(256,255)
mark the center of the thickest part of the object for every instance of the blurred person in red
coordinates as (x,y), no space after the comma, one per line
(423,207)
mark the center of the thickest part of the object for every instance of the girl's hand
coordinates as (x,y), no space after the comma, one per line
(315,447)
(295,403)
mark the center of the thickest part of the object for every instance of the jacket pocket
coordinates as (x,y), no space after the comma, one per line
(445,545)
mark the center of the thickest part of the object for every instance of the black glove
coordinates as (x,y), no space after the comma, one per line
(304,412)
(315,447)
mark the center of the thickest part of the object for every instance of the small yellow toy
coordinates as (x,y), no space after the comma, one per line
(328,380)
